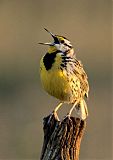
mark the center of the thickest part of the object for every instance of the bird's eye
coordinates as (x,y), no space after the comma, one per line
(62,41)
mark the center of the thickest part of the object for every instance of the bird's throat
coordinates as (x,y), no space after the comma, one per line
(49,59)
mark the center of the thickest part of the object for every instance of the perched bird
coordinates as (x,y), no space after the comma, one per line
(63,76)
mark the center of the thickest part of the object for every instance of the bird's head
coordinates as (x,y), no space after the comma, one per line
(60,43)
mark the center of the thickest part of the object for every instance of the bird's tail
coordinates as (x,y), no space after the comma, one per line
(81,110)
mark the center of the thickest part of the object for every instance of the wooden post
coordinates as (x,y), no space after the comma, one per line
(62,139)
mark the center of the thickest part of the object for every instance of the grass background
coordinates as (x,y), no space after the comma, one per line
(23,103)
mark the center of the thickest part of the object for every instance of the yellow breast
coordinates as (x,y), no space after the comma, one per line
(55,81)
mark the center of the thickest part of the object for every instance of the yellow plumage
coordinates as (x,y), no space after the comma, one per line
(54,81)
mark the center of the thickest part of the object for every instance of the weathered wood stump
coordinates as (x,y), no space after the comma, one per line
(62,139)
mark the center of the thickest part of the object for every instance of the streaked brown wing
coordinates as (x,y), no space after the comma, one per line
(81,74)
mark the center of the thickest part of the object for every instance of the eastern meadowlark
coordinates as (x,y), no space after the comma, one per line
(63,76)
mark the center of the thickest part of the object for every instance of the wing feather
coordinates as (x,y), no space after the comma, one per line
(78,70)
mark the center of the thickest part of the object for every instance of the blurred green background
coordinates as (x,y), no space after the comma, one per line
(23,103)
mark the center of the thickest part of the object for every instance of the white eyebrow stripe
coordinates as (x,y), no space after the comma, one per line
(67,42)
(68,45)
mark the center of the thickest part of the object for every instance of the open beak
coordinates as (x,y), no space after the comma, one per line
(45,43)
(54,37)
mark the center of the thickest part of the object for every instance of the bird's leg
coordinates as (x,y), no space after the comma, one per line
(81,110)
(54,113)
(57,107)
(69,114)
